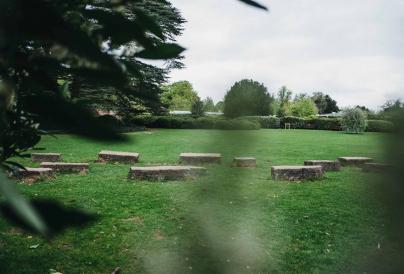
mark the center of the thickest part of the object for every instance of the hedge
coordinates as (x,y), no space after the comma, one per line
(264,121)
(250,122)
(178,122)
(380,126)
(312,123)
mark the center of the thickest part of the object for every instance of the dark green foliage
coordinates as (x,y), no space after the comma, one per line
(312,123)
(265,121)
(325,103)
(247,97)
(379,126)
(189,122)
(197,108)
(111,121)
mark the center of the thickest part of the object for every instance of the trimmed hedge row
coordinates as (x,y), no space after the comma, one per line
(193,123)
(250,123)
(265,121)
(312,123)
(380,126)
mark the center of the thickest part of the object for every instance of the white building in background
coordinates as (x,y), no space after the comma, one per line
(333,114)
(186,112)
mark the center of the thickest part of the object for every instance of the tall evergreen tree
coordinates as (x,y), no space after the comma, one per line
(247,97)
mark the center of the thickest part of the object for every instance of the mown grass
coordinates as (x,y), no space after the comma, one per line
(231,221)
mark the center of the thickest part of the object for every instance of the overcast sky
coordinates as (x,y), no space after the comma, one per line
(350,49)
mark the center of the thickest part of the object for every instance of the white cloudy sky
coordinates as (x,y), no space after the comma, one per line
(350,49)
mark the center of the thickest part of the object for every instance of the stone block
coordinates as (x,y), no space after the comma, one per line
(297,173)
(46,157)
(244,162)
(165,173)
(67,167)
(200,158)
(118,157)
(31,175)
(354,161)
(326,164)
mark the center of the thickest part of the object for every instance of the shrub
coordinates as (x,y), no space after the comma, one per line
(312,123)
(264,121)
(237,124)
(188,122)
(295,122)
(354,120)
(380,126)
(141,120)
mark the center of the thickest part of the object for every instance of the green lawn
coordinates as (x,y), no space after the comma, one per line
(231,221)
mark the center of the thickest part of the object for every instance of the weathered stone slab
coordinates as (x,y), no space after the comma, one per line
(165,173)
(118,156)
(377,167)
(296,173)
(326,164)
(200,158)
(354,161)
(67,167)
(32,171)
(244,162)
(46,157)
(31,175)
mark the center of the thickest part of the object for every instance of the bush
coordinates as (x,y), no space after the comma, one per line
(188,122)
(354,120)
(264,121)
(312,123)
(380,126)
(141,120)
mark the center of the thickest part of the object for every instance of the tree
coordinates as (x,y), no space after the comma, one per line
(219,107)
(302,106)
(179,95)
(150,78)
(354,120)
(324,103)
(284,96)
(247,97)
(197,108)
(43,64)
(208,105)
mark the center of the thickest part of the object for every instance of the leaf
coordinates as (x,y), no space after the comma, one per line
(20,207)
(254,4)
(162,51)
(56,216)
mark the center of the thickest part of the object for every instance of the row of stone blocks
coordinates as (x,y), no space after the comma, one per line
(314,169)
